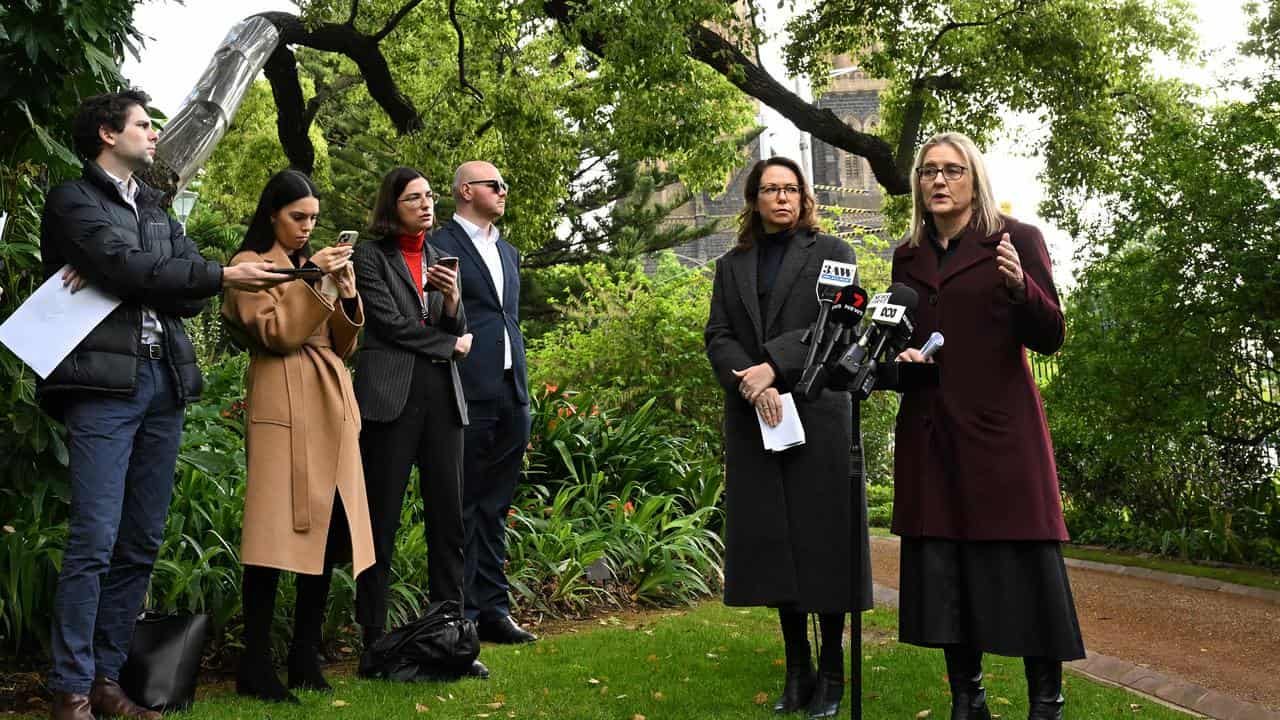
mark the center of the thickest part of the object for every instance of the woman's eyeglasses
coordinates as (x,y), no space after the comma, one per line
(419,198)
(772,190)
(949,172)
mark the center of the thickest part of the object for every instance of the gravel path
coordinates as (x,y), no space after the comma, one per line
(1224,642)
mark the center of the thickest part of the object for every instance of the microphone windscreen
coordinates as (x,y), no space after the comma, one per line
(849,306)
(903,295)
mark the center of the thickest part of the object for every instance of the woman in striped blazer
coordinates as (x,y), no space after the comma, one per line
(410,396)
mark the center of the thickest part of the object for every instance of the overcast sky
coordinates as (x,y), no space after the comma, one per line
(182,38)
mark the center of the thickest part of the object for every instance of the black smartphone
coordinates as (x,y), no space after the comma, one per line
(448,261)
(303,273)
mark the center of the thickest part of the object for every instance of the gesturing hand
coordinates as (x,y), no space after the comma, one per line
(769,405)
(754,380)
(1010,265)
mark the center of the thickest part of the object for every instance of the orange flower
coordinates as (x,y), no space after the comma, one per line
(595,410)
(628,508)
(550,388)
(511,511)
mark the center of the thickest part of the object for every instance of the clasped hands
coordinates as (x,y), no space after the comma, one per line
(755,384)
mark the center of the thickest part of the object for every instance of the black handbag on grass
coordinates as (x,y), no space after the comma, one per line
(440,645)
(164,660)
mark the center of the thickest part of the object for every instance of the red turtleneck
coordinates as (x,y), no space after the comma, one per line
(411,249)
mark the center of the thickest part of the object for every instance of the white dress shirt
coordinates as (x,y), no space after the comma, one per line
(152,330)
(487,245)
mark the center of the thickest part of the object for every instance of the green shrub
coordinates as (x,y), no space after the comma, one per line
(628,338)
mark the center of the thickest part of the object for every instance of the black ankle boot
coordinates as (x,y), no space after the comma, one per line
(964,674)
(1044,688)
(798,689)
(304,669)
(257,678)
(826,696)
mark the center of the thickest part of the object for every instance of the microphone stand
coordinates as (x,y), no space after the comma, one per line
(858,516)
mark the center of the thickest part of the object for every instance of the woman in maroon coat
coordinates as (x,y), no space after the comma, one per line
(976,490)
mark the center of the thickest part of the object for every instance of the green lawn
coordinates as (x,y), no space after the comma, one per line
(708,662)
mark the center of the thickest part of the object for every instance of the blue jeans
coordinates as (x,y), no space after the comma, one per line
(123,451)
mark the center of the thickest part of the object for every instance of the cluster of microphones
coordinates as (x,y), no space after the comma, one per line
(846,353)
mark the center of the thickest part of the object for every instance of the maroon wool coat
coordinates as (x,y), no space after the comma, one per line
(972,457)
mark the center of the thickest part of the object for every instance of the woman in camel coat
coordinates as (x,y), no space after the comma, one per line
(305,499)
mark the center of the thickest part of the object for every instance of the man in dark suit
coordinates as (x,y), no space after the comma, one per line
(120,392)
(496,385)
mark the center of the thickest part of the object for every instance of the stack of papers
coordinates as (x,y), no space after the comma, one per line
(787,434)
(53,321)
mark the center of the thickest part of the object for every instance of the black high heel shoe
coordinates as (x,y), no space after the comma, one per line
(798,690)
(826,696)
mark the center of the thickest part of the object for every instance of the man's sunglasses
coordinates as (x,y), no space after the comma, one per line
(497,186)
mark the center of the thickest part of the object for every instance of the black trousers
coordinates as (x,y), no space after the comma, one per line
(428,434)
(495,444)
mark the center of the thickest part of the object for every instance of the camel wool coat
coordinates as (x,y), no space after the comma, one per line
(302,437)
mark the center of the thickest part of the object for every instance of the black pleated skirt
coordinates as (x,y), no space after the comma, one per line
(1009,598)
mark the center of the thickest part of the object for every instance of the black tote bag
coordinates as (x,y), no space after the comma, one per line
(164,660)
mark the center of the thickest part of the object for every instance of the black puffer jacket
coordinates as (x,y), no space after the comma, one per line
(143,260)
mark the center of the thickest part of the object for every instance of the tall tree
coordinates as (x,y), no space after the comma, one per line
(1169,391)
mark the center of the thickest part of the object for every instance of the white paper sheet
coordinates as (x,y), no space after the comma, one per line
(787,434)
(49,325)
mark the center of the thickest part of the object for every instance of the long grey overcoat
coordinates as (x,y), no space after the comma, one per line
(789,517)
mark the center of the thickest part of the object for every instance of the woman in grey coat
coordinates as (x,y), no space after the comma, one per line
(788,534)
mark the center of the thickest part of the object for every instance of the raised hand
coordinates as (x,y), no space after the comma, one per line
(1010,265)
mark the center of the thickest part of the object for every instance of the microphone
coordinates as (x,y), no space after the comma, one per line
(847,309)
(834,276)
(932,345)
(888,312)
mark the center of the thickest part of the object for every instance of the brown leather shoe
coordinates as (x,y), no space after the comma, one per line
(108,700)
(70,706)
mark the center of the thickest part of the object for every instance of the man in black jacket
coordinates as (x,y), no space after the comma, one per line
(120,392)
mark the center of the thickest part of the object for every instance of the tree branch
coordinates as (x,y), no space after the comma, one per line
(932,47)
(462,53)
(344,40)
(913,116)
(709,48)
(355,10)
(395,20)
(291,120)
(326,93)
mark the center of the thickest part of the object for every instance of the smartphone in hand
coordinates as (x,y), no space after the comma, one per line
(347,237)
(448,261)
